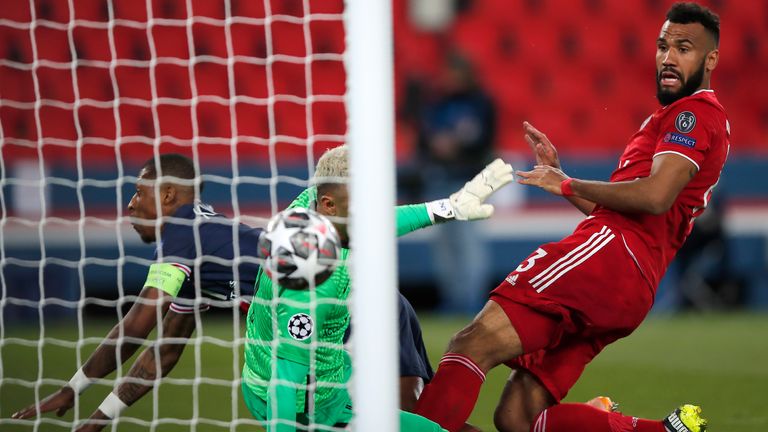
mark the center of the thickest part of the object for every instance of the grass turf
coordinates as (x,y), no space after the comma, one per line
(717,361)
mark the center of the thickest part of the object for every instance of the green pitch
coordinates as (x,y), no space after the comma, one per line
(718,361)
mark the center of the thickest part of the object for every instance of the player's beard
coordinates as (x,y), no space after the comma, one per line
(689,87)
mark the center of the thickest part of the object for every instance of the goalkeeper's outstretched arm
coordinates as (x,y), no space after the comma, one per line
(124,338)
(466,204)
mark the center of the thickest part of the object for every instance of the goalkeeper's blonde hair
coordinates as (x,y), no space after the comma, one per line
(333,166)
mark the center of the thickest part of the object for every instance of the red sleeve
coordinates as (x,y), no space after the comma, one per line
(688,130)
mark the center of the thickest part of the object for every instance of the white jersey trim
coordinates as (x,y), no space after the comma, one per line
(573,259)
(680,154)
(184,310)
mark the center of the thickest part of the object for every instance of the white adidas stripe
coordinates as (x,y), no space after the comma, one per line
(461,360)
(573,255)
(568,255)
(592,251)
(541,422)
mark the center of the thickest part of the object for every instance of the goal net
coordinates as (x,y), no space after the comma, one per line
(252,90)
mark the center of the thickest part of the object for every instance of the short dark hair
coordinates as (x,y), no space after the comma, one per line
(689,12)
(172,164)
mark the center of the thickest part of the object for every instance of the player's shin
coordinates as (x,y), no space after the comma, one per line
(451,395)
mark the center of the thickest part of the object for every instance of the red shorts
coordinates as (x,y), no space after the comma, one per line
(570,299)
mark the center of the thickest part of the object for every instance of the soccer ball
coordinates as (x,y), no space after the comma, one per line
(300,248)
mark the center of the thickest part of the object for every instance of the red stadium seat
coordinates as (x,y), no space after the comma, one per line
(97,122)
(328,78)
(290,119)
(175,121)
(251,80)
(172,81)
(92,44)
(130,10)
(52,10)
(16,11)
(168,9)
(131,43)
(133,82)
(16,85)
(248,9)
(170,41)
(211,79)
(252,120)
(91,10)
(95,83)
(55,84)
(18,123)
(213,120)
(51,45)
(208,8)
(287,39)
(209,40)
(326,6)
(57,123)
(329,118)
(15,45)
(136,121)
(327,36)
(249,40)
(289,79)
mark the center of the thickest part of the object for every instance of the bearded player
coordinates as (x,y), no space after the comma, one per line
(568,300)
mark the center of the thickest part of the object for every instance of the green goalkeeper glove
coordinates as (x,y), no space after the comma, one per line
(469,202)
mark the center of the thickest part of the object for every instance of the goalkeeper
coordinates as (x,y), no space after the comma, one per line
(293,383)
(175,292)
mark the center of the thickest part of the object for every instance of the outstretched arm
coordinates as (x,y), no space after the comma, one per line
(176,329)
(546,154)
(133,329)
(468,203)
(654,194)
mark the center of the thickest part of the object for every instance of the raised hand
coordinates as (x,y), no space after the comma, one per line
(469,202)
(61,401)
(543,176)
(545,152)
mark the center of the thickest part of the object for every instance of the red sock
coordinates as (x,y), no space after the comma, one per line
(451,395)
(573,417)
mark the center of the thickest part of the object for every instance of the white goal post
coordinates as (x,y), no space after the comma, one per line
(370,97)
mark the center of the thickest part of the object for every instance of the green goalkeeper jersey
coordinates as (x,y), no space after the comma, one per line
(307,327)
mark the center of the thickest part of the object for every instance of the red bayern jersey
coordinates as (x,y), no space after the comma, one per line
(694,127)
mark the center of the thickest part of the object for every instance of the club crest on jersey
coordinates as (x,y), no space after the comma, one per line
(676,138)
(685,122)
(300,326)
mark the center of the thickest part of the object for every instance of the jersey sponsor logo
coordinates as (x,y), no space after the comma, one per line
(676,138)
(300,326)
(512,279)
(685,121)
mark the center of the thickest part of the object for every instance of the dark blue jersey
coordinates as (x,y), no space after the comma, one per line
(197,231)
(413,354)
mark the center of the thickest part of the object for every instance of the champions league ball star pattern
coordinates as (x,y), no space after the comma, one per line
(300,248)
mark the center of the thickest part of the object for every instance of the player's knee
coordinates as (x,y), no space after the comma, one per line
(505,422)
(474,341)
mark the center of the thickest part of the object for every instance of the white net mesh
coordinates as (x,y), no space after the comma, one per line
(251,90)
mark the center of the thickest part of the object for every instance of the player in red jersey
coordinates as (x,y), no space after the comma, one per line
(568,300)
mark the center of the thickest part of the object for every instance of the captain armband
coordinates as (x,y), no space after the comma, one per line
(166,277)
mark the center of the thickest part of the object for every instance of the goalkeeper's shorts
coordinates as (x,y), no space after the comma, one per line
(335,410)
